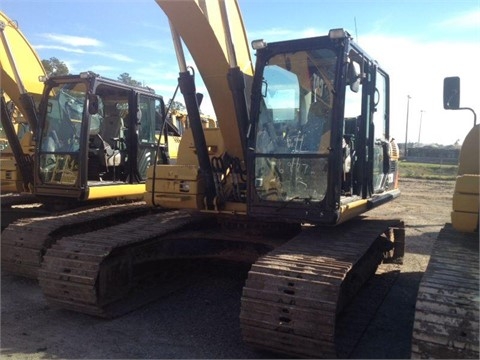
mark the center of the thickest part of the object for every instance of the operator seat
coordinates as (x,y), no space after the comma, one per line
(110,134)
(316,131)
(111,125)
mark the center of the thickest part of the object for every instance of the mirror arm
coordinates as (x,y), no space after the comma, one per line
(473,111)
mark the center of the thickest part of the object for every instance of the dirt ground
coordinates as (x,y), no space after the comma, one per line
(201,319)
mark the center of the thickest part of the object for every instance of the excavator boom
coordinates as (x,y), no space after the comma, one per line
(20,65)
(20,69)
(204,34)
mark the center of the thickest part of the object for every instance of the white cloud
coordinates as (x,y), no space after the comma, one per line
(103,69)
(73,40)
(75,50)
(72,65)
(60,48)
(418,69)
(115,56)
(155,46)
(467,20)
(273,34)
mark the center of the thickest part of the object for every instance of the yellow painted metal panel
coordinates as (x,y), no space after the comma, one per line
(116,191)
(188,152)
(176,186)
(8,175)
(351,210)
(174,201)
(174,172)
(10,186)
(26,61)
(465,214)
(469,162)
(468,184)
(465,221)
(8,162)
(465,202)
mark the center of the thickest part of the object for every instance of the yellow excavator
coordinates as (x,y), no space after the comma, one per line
(18,73)
(94,139)
(107,126)
(306,143)
(301,151)
(447,309)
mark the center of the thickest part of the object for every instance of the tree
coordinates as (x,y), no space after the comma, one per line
(55,67)
(127,79)
(176,105)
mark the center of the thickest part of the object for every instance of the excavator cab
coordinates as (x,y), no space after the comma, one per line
(96,138)
(319,148)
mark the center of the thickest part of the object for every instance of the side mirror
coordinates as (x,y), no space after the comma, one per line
(264,88)
(451,93)
(139,116)
(92,104)
(353,78)
(355,86)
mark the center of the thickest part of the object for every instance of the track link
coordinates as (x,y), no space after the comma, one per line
(97,273)
(447,309)
(293,295)
(25,241)
(17,206)
(12,199)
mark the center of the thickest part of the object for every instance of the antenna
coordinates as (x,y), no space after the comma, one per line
(356,33)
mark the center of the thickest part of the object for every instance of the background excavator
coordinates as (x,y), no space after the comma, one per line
(302,149)
(447,309)
(68,119)
(18,73)
(85,152)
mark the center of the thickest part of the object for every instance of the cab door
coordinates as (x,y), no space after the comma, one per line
(380,120)
(149,109)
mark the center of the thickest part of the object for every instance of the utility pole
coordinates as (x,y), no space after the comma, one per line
(406,127)
(420,127)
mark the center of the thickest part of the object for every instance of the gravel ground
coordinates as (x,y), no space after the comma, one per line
(201,319)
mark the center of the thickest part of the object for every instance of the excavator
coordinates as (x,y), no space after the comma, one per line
(18,73)
(89,142)
(306,145)
(302,150)
(447,309)
(70,121)
(96,137)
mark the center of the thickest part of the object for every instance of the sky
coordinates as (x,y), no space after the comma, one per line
(418,43)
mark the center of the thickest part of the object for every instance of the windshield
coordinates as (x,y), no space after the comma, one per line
(60,134)
(293,131)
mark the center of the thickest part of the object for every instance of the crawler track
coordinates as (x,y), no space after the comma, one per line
(447,310)
(293,295)
(98,273)
(12,199)
(16,206)
(25,241)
